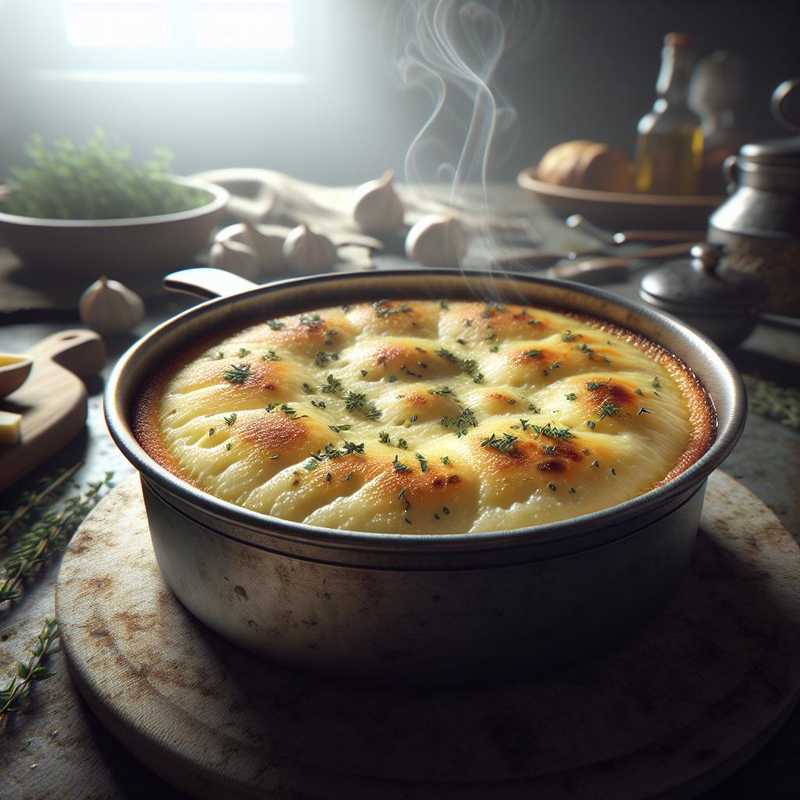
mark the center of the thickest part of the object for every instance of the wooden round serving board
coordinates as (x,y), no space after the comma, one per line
(52,400)
(667,714)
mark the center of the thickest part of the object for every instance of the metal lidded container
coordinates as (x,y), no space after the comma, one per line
(430,609)
(704,292)
(759,223)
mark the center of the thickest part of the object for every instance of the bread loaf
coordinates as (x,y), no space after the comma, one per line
(587,165)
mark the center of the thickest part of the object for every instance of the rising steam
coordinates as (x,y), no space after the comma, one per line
(452,49)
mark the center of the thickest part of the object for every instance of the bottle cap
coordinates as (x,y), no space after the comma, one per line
(677,40)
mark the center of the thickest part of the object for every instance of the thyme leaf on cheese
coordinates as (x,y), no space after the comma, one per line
(331,386)
(384,309)
(504,444)
(310,320)
(608,409)
(552,431)
(237,373)
(462,423)
(323,358)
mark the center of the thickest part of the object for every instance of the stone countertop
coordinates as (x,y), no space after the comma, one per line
(56,747)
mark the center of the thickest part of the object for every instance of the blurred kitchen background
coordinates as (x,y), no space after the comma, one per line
(312,87)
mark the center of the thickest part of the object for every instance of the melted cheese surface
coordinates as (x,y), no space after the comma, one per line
(426,417)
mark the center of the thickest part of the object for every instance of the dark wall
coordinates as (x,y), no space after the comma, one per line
(582,68)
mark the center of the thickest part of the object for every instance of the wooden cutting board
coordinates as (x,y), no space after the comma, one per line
(668,713)
(52,401)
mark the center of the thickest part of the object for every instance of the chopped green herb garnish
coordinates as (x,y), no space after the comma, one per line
(352,447)
(462,423)
(340,428)
(270,355)
(552,432)
(383,309)
(503,444)
(230,419)
(423,462)
(323,358)
(399,466)
(237,373)
(310,320)
(276,324)
(332,385)
(608,409)
(571,396)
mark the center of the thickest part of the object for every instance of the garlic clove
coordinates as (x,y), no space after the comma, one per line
(377,208)
(437,241)
(109,307)
(266,241)
(308,251)
(235,257)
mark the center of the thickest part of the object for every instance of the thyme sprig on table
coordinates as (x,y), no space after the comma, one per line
(29,672)
(50,534)
(32,500)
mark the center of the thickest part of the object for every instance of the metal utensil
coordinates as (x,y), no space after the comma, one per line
(579,222)
(534,258)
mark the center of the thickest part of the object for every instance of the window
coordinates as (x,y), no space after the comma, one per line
(231,24)
(251,41)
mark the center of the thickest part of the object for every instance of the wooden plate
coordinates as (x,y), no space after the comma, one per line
(617,210)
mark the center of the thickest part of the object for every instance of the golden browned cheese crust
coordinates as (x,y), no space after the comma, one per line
(426,417)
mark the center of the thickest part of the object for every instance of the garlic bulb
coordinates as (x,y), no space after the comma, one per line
(437,241)
(307,251)
(266,241)
(110,307)
(235,257)
(378,209)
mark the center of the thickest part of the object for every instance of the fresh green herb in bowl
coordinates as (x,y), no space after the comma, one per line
(80,212)
(96,181)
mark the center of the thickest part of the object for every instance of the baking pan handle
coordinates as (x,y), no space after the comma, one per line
(207,282)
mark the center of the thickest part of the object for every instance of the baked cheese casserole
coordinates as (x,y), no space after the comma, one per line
(426,417)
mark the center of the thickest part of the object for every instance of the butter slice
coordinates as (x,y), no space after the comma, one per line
(9,427)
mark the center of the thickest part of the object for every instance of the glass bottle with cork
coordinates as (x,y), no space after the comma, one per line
(669,150)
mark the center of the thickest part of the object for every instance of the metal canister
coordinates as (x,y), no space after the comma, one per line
(759,224)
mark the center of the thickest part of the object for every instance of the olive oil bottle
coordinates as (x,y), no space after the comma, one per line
(669,149)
